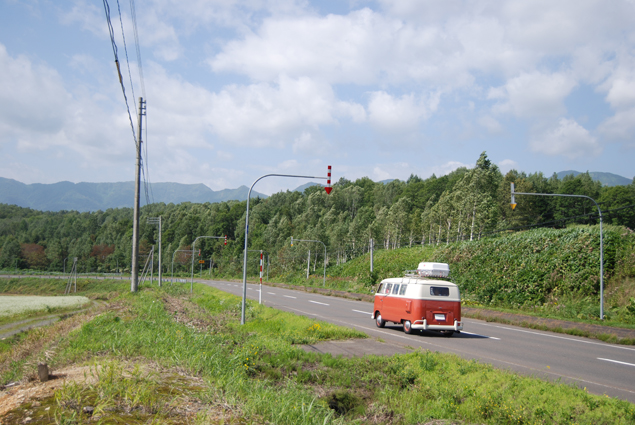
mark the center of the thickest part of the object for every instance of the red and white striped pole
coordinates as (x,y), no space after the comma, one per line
(260,296)
(328,187)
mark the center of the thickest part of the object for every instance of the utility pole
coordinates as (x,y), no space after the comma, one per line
(134,278)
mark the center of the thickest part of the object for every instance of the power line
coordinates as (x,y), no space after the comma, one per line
(145,170)
(114,50)
(133,13)
(125,48)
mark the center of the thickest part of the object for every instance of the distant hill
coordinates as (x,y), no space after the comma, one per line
(302,188)
(607,179)
(101,196)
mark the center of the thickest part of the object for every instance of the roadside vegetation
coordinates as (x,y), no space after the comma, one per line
(163,356)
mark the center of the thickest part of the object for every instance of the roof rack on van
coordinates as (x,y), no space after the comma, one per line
(430,270)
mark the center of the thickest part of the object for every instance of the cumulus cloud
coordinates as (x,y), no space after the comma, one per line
(490,124)
(265,114)
(507,164)
(400,114)
(620,126)
(535,94)
(568,139)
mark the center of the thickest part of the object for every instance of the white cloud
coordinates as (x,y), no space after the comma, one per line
(506,165)
(268,114)
(35,100)
(568,139)
(490,124)
(447,168)
(380,174)
(38,113)
(535,94)
(400,114)
(620,126)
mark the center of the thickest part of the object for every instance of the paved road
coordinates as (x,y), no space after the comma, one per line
(600,367)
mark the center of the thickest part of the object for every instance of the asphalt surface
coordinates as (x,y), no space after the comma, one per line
(600,367)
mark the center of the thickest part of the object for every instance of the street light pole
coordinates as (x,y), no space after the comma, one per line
(328,190)
(513,203)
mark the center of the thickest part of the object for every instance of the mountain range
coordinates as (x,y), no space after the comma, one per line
(607,179)
(102,196)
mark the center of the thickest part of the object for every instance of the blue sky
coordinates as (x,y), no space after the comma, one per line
(240,88)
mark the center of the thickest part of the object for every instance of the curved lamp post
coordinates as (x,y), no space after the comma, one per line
(328,190)
(513,203)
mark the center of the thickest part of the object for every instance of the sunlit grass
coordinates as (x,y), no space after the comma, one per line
(263,376)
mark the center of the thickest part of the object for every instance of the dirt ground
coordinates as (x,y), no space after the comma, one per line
(17,394)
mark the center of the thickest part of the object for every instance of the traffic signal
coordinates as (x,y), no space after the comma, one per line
(225,239)
(513,203)
(291,240)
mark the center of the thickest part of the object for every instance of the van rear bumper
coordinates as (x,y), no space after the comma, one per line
(423,325)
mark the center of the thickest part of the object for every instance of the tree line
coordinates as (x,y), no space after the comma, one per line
(466,204)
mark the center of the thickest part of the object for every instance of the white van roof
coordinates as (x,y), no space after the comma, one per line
(416,280)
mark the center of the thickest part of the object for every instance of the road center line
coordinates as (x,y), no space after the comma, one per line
(271,293)
(616,361)
(317,302)
(363,312)
(289,296)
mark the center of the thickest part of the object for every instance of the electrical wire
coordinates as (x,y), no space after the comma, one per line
(125,48)
(147,186)
(114,50)
(133,13)
(143,150)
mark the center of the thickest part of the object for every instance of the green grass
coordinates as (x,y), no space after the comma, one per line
(259,371)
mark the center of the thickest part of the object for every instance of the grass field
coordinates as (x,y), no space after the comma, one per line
(11,305)
(162,356)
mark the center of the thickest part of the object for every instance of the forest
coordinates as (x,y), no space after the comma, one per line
(467,204)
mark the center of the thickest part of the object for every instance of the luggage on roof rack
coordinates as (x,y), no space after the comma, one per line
(430,270)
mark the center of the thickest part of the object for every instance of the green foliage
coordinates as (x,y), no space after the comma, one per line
(257,371)
(531,267)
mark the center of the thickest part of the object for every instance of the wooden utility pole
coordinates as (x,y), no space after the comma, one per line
(134,275)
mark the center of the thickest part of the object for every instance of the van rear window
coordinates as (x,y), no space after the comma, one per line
(440,291)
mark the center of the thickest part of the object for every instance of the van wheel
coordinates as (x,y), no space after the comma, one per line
(407,327)
(379,321)
(447,334)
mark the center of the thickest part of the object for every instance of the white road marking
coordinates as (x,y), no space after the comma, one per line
(271,293)
(484,336)
(317,302)
(561,337)
(363,312)
(616,361)
(289,296)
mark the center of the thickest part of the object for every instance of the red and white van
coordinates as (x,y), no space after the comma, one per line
(420,301)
